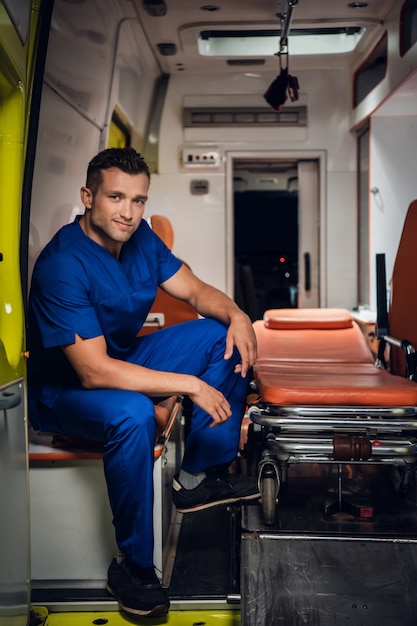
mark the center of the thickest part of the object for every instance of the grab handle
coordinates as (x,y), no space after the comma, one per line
(9,400)
(307,271)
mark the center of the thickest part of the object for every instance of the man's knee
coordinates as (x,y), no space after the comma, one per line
(214,327)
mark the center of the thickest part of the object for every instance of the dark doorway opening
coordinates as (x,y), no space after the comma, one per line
(266,249)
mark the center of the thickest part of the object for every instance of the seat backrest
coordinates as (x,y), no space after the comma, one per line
(402,314)
(162,226)
(175,311)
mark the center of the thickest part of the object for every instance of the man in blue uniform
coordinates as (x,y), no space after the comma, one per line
(90,375)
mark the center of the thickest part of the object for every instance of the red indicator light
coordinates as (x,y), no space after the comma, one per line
(282,259)
(366,512)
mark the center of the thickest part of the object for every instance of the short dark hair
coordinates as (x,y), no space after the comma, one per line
(125,159)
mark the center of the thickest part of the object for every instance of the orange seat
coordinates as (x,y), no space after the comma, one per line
(66,448)
(402,315)
(174,311)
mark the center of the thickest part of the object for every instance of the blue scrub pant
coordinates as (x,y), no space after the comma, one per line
(125,422)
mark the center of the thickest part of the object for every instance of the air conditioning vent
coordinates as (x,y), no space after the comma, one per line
(245,62)
(244,116)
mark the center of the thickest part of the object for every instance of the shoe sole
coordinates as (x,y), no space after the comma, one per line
(208,505)
(157,611)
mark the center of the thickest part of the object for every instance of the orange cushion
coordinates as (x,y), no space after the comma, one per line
(376,388)
(299,319)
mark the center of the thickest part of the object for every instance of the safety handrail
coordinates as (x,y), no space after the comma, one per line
(286,19)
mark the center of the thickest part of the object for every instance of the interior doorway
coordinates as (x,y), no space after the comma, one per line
(274,228)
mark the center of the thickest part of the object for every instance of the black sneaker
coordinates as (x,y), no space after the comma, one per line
(137,589)
(219,487)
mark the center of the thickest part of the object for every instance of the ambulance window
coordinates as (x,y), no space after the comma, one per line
(371,72)
(19,13)
(408,26)
(119,133)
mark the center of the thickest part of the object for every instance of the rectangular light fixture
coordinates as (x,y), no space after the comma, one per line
(303,41)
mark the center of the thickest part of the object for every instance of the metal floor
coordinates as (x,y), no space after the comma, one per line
(308,569)
(311,488)
(206,565)
(312,568)
(202,588)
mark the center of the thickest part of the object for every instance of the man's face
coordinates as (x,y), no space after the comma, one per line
(115,211)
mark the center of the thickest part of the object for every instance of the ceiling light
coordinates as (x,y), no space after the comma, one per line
(252,43)
(357,5)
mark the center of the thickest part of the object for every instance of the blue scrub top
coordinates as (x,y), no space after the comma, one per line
(78,287)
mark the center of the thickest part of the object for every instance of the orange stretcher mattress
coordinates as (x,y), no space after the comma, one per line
(282,337)
(320,357)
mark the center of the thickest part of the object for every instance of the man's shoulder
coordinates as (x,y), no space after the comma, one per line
(64,240)
(62,254)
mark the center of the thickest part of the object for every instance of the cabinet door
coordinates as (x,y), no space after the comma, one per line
(14,502)
(309,241)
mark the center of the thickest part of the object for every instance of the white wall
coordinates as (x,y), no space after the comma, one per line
(78,99)
(199,221)
(393,173)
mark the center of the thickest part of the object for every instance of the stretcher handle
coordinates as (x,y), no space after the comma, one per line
(410,354)
(382,325)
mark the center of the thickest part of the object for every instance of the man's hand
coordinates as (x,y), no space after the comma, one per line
(212,402)
(210,302)
(241,334)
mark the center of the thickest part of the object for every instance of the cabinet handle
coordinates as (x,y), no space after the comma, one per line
(307,271)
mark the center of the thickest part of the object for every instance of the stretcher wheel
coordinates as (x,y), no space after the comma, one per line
(269,485)
(268,499)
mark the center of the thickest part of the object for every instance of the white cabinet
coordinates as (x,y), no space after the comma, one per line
(14,513)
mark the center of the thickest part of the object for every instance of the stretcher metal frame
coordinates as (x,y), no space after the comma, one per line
(341,433)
